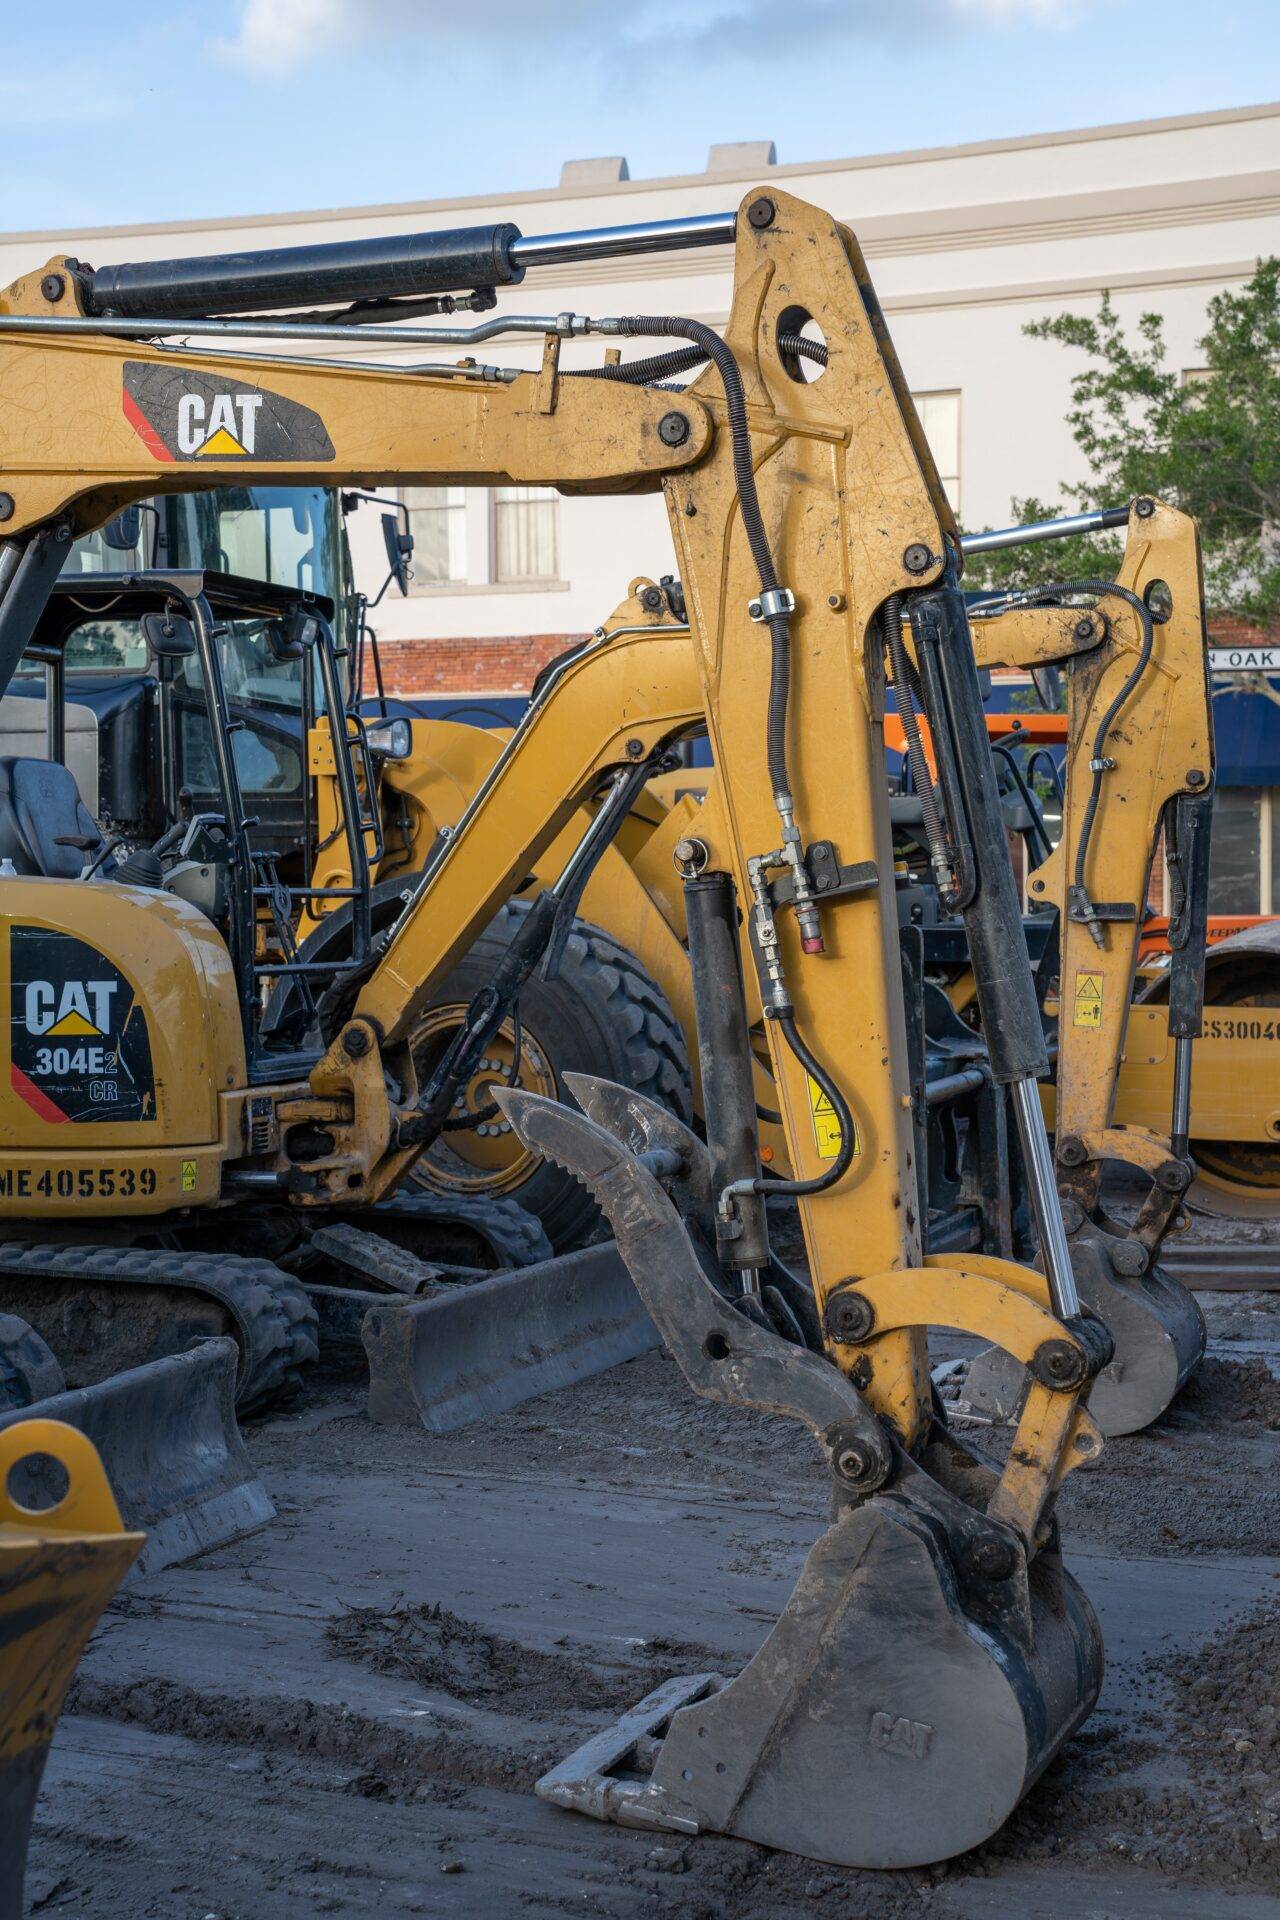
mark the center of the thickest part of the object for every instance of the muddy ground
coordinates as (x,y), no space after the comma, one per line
(344,1715)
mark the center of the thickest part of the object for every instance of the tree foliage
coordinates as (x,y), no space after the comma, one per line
(1209,445)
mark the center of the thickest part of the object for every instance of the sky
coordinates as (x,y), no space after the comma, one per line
(186,109)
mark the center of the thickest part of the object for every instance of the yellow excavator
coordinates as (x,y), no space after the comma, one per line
(934,1617)
(1139,765)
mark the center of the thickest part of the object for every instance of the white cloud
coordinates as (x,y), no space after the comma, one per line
(277,37)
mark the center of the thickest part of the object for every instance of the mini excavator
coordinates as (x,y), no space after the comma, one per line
(935,1653)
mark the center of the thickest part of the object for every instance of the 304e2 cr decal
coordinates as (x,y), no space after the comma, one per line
(79,1046)
(180,414)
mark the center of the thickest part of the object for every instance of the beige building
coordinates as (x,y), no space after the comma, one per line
(966,245)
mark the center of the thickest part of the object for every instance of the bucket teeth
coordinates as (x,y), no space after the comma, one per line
(643,1126)
(723,1355)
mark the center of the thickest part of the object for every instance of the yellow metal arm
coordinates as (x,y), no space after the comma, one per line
(1160,745)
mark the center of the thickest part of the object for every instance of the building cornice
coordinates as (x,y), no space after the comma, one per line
(412,210)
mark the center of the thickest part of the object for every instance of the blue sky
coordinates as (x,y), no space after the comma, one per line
(204,107)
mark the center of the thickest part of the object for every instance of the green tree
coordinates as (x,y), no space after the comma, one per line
(1210,446)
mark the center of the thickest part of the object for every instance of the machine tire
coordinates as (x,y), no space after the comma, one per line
(603,1014)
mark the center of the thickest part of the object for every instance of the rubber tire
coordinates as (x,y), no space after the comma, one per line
(603,1014)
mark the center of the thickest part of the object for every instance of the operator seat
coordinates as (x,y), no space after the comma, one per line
(39,804)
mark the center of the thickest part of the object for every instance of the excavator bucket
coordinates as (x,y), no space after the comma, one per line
(898,1710)
(168,1438)
(59,1566)
(480,1348)
(1159,1334)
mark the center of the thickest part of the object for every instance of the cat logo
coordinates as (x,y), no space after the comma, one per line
(225,425)
(76,1009)
(180,413)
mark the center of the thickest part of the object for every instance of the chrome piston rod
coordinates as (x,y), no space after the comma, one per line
(1046,1207)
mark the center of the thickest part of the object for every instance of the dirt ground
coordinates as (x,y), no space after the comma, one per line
(345,1714)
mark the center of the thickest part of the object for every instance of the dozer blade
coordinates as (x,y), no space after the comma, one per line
(167,1436)
(58,1569)
(896,1713)
(483,1348)
(1159,1335)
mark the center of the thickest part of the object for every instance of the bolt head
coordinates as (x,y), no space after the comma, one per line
(761,213)
(990,1558)
(635,749)
(355,1043)
(850,1317)
(6,506)
(836,602)
(53,286)
(1144,508)
(674,429)
(651,599)
(1130,1258)
(917,558)
(1084,629)
(1059,1365)
(1196,777)
(1071,1151)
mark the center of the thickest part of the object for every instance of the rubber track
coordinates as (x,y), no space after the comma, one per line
(515,1235)
(274,1322)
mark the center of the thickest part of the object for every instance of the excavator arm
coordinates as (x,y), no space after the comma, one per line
(808,517)
(1139,763)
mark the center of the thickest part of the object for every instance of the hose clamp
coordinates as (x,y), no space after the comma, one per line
(772,602)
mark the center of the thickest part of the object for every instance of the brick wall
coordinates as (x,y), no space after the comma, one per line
(509,663)
(506,664)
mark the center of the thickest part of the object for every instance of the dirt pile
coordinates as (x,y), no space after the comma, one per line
(1226,1726)
(1240,1391)
(438,1650)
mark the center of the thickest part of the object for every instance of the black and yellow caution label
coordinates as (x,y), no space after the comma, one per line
(826,1126)
(188,1176)
(1087,1006)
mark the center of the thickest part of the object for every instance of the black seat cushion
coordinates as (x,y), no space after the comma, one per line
(39,803)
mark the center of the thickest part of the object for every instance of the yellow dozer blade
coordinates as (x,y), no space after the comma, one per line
(58,1568)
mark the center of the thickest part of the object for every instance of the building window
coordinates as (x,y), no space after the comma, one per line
(1244,861)
(438,523)
(940,417)
(477,537)
(524,533)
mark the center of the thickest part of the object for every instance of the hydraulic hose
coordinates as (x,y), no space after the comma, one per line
(711,347)
(844,1120)
(665,366)
(1108,720)
(902,687)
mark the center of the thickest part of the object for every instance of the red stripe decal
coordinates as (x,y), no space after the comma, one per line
(143,428)
(39,1102)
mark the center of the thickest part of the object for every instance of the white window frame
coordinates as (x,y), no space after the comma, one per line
(480,508)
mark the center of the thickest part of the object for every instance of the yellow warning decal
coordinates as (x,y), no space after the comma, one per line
(188,1176)
(1088,1000)
(826,1126)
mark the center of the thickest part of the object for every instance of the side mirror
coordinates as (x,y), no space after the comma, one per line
(399,544)
(123,532)
(294,636)
(170,636)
